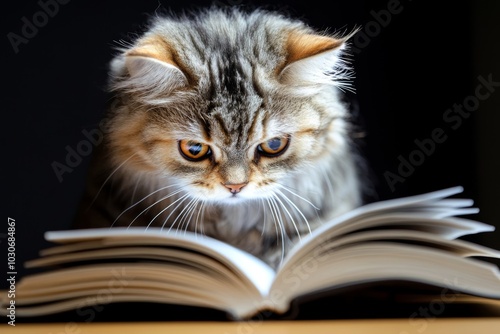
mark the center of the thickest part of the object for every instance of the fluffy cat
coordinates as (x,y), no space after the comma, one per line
(228,124)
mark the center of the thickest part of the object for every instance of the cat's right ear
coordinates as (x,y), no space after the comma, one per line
(149,69)
(314,59)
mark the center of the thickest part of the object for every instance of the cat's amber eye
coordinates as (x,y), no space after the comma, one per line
(194,151)
(274,146)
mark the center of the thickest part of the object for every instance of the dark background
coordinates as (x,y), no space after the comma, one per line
(409,71)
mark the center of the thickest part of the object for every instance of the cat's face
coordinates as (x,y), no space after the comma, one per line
(220,157)
(232,124)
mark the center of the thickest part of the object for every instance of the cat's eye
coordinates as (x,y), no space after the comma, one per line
(273,147)
(194,151)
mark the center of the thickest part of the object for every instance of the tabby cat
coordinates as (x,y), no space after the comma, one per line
(229,124)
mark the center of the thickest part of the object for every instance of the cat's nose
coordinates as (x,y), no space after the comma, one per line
(234,188)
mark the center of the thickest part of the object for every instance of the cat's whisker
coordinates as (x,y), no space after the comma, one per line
(275,196)
(264,218)
(182,215)
(296,208)
(202,203)
(280,224)
(144,198)
(297,195)
(194,211)
(202,218)
(273,216)
(165,209)
(132,197)
(108,178)
(189,213)
(328,180)
(182,199)
(150,206)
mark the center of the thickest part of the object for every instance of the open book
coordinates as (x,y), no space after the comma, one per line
(409,239)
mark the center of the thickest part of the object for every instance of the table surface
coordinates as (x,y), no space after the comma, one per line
(385,326)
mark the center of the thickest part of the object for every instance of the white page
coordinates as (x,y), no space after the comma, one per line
(157,278)
(431,209)
(175,284)
(460,247)
(250,267)
(371,262)
(445,228)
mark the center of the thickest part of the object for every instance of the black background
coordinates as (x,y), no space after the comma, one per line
(408,73)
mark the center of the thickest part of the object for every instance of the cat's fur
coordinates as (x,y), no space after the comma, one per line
(230,80)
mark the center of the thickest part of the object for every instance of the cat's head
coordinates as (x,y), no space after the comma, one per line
(229,105)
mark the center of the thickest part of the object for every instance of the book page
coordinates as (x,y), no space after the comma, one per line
(148,282)
(444,229)
(385,261)
(461,248)
(430,212)
(250,268)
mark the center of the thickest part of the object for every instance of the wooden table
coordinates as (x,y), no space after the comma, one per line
(389,326)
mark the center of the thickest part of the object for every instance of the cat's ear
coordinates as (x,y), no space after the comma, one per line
(313,59)
(150,68)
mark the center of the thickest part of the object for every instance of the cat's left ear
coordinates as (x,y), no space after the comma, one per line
(150,68)
(313,59)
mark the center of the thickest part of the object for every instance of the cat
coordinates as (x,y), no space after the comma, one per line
(228,123)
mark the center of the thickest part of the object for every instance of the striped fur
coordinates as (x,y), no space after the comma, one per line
(230,80)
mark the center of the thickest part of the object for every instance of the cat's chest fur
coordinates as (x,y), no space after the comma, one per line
(227,124)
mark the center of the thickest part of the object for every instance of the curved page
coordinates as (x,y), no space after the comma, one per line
(251,269)
(444,228)
(380,261)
